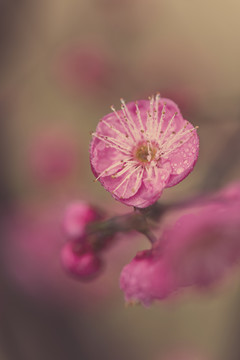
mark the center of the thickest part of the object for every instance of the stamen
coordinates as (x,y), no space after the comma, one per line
(138,180)
(155,113)
(125,168)
(159,128)
(166,131)
(122,122)
(180,143)
(178,136)
(117,142)
(110,168)
(130,119)
(150,117)
(139,177)
(115,146)
(139,117)
(126,178)
(149,152)
(124,136)
(149,172)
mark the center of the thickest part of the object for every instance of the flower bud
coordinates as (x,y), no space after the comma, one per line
(146,278)
(80,261)
(77,215)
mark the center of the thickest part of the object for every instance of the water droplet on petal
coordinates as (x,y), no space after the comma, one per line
(180,170)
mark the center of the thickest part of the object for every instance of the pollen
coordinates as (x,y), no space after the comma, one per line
(145,153)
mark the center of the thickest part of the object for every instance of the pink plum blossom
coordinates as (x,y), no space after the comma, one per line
(143,148)
(52,156)
(80,260)
(77,215)
(197,250)
(202,246)
(85,69)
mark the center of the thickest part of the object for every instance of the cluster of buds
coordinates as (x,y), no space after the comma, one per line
(79,256)
(89,234)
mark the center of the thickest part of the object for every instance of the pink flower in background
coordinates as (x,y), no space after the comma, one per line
(33,251)
(52,156)
(183,355)
(80,260)
(143,148)
(85,69)
(230,193)
(197,250)
(202,246)
(77,215)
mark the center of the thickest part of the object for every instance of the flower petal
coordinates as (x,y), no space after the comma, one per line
(150,190)
(146,279)
(124,186)
(183,160)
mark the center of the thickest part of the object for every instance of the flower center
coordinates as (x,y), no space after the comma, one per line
(145,152)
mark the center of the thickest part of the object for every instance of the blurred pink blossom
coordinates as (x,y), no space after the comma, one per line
(142,149)
(197,250)
(202,246)
(86,69)
(230,193)
(32,258)
(52,155)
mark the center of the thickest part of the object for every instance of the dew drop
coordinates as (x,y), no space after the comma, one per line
(180,170)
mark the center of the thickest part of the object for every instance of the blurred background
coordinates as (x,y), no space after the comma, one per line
(62,64)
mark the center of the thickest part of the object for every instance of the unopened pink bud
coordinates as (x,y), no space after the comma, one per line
(146,278)
(77,215)
(80,261)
